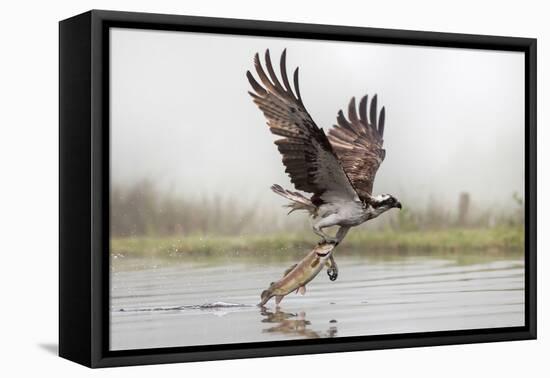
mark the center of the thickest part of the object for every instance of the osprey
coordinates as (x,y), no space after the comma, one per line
(338,169)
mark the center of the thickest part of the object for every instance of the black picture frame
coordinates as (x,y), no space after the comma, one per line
(84,187)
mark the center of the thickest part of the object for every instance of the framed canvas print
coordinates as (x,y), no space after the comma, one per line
(234,188)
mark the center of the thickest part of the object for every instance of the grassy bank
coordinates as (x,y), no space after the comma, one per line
(448,241)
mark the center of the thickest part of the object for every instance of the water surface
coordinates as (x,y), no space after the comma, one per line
(155,303)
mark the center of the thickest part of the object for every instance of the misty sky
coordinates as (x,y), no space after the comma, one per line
(181,115)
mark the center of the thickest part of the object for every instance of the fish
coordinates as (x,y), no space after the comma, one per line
(298,275)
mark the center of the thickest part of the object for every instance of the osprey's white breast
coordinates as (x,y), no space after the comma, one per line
(347,213)
(350,213)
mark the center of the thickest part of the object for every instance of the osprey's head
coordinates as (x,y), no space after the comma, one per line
(385,202)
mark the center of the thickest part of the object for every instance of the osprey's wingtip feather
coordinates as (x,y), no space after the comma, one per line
(373,114)
(296,85)
(284,74)
(381,121)
(254,84)
(363,109)
(352,112)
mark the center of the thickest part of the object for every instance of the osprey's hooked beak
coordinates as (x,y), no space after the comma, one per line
(398,205)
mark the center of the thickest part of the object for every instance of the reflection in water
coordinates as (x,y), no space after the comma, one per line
(288,323)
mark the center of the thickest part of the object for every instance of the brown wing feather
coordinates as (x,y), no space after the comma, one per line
(358,144)
(307,153)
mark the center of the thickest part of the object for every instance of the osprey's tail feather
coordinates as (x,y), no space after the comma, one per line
(298,201)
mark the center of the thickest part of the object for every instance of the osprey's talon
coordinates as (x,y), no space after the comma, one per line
(332,274)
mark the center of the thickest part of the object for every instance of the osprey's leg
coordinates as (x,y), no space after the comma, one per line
(329,221)
(332,270)
(341,234)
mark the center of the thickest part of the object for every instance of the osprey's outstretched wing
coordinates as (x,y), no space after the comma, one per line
(307,153)
(357,142)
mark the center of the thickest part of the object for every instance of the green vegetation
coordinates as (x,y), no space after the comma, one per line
(499,240)
(448,240)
